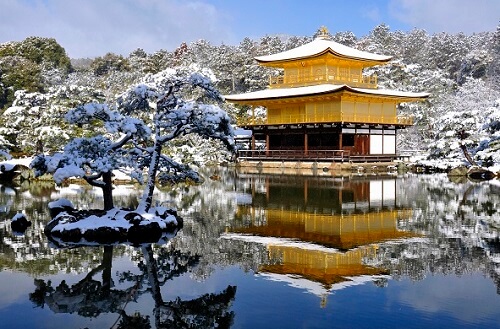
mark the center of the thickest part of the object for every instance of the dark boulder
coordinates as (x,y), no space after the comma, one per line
(71,235)
(144,233)
(105,235)
(480,174)
(20,223)
(134,218)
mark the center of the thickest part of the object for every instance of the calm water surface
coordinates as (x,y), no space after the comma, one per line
(267,251)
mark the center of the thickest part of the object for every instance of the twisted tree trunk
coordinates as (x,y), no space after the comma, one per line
(107,190)
(147,196)
(467,155)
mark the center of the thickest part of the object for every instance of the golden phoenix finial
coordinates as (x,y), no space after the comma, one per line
(323,33)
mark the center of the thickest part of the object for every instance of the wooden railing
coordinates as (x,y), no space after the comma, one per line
(330,118)
(311,155)
(399,119)
(353,80)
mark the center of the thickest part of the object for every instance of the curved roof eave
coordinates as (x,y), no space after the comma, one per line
(319,47)
(280,93)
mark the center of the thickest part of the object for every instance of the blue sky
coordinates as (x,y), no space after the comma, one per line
(89,28)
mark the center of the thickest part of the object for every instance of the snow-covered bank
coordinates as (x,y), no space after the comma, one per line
(449,166)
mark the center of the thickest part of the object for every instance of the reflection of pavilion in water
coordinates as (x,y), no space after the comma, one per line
(331,226)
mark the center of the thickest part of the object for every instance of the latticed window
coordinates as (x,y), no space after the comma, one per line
(344,72)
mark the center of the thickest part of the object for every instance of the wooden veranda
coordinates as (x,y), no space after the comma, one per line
(340,156)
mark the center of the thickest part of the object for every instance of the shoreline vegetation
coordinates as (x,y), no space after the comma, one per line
(72,227)
(18,169)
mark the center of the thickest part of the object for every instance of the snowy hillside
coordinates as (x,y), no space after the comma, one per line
(39,84)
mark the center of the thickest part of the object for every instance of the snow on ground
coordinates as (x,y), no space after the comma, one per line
(21,161)
(118,175)
(8,165)
(114,218)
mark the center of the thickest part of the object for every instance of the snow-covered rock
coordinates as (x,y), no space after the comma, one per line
(82,227)
(19,222)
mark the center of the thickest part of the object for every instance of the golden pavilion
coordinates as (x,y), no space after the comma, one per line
(323,108)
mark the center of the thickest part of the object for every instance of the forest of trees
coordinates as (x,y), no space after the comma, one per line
(39,83)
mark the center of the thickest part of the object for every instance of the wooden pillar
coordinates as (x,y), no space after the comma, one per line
(306,142)
(267,144)
(340,145)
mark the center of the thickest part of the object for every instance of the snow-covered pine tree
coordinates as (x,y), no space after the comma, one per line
(468,118)
(164,106)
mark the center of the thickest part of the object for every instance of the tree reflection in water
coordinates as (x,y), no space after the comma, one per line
(90,297)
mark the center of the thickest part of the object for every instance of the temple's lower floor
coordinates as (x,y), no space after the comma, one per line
(321,142)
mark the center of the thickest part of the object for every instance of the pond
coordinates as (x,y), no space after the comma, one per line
(267,251)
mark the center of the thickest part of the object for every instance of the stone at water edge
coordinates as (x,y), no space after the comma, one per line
(19,223)
(459,171)
(479,173)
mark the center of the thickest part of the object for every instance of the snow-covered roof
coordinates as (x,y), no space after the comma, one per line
(320,46)
(268,94)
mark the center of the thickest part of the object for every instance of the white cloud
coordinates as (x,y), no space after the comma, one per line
(93,27)
(89,28)
(450,16)
(372,13)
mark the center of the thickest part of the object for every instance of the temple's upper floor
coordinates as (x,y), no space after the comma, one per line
(323,61)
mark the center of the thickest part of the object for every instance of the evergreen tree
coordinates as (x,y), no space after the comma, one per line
(163,107)
(22,64)
(494,67)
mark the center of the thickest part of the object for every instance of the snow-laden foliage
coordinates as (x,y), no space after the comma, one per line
(5,145)
(35,121)
(178,104)
(440,64)
(162,107)
(174,101)
(23,64)
(468,118)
